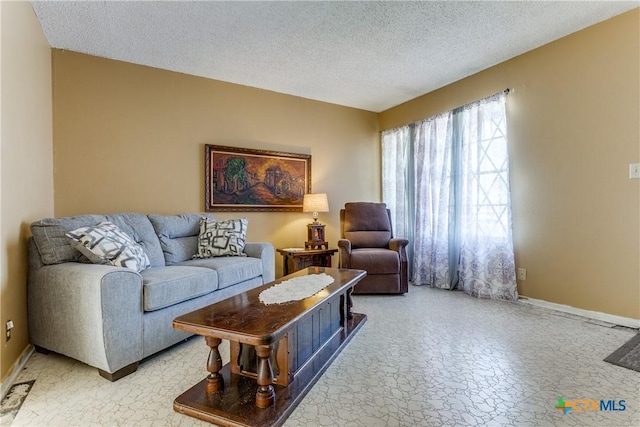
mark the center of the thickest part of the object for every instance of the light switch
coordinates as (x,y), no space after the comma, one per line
(634,170)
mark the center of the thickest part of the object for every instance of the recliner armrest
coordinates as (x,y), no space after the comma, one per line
(344,247)
(399,245)
(396,243)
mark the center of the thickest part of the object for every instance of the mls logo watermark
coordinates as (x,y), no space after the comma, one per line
(590,405)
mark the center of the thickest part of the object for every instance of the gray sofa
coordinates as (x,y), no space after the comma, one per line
(113,317)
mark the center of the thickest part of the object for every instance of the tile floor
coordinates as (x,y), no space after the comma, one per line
(428,358)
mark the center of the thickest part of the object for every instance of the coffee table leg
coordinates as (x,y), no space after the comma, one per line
(349,304)
(215,381)
(265,395)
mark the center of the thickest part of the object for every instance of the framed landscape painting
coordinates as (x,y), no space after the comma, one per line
(241,179)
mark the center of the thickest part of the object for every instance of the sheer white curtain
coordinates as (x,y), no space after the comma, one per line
(487,266)
(447,179)
(395,174)
(433,200)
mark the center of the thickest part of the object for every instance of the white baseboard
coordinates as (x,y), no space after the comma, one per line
(15,370)
(596,315)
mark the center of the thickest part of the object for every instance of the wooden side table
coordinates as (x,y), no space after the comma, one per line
(295,259)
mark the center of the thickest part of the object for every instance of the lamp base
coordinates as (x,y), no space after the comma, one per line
(316,245)
(315,237)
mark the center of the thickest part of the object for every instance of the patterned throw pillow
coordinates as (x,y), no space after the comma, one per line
(106,243)
(224,238)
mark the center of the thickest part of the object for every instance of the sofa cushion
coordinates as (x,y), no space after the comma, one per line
(178,235)
(49,235)
(166,286)
(106,243)
(223,238)
(375,260)
(231,270)
(139,227)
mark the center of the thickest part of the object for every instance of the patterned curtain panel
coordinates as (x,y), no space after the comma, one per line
(434,205)
(397,173)
(447,178)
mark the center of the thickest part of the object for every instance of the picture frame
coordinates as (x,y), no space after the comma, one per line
(243,179)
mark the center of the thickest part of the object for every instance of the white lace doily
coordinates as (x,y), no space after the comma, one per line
(295,289)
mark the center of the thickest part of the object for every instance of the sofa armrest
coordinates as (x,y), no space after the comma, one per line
(92,313)
(344,251)
(266,253)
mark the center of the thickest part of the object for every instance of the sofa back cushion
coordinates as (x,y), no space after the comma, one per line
(55,247)
(139,227)
(49,235)
(178,235)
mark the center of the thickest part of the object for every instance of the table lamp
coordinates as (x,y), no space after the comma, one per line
(315,231)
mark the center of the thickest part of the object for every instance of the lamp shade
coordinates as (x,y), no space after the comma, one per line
(315,203)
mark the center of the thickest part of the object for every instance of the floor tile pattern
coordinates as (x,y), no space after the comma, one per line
(428,358)
(12,402)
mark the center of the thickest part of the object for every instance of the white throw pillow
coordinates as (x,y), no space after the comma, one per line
(223,238)
(106,243)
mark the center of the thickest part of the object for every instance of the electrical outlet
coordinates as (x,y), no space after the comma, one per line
(522,274)
(634,170)
(9,326)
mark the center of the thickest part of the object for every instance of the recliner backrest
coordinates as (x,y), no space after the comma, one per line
(366,224)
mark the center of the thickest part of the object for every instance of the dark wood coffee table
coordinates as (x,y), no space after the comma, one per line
(278,351)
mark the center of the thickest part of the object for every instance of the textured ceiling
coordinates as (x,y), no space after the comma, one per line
(368,55)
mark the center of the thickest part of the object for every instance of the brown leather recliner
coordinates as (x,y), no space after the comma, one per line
(367,244)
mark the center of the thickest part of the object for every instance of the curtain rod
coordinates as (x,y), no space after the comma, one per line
(506,91)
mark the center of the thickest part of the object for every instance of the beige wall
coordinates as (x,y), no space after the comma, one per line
(131,138)
(26,177)
(573,122)
(574,127)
